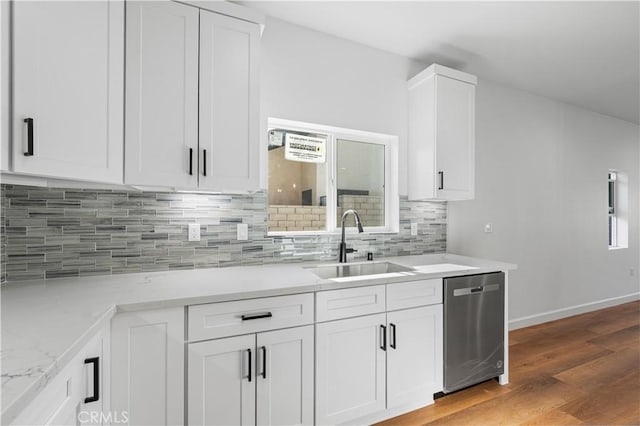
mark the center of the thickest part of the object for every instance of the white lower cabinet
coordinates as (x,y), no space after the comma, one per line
(78,394)
(264,363)
(350,369)
(264,378)
(373,367)
(221,386)
(147,386)
(285,377)
(414,356)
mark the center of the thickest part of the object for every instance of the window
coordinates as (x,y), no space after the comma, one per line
(618,209)
(317,172)
(612,210)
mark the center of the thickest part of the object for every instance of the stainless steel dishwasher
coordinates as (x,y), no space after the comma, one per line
(473,329)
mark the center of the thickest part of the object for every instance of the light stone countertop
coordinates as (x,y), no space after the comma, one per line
(45,322)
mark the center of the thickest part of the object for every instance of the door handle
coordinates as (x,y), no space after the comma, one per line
(96,379)
(204,162)
(441,174)
(383,339)
(29,122)
(250,373)
(264,361)
(392,330)
(261,315)
(190,161)
(474,290)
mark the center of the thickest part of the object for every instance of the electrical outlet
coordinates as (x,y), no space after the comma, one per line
(243,232)
(414,229)
(194,232)
(488,228)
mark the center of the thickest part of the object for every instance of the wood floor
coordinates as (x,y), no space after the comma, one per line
(579,370)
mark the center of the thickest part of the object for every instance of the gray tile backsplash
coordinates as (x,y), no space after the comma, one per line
(53,232)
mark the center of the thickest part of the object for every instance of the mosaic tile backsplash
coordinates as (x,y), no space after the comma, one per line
(53,232)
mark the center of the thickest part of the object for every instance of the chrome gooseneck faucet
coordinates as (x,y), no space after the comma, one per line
(343,246)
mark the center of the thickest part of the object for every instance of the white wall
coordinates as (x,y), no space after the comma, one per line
(541,179)
(541,165)
(314,77)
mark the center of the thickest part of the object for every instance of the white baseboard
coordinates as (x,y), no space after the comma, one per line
(556,314)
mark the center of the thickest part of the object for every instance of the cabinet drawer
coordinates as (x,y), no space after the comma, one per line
(249,316)
(350,302)
(414,293)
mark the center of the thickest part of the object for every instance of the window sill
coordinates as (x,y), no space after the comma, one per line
(617,248)
(349,231)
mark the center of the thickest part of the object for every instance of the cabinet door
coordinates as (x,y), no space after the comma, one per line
(350,369)
(147,368)
(62,401)
(414,357)
(285,377)
(68,65)
(5,84)
(229,89)
(455,138)
(161,130)
(221,386)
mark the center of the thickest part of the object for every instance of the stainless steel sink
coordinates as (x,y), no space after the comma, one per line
(358,269)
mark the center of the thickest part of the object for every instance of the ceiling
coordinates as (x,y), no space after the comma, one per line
(583,53)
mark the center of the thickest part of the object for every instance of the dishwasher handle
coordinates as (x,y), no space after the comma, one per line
(476,290)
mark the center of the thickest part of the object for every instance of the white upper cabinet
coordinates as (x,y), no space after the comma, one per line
(68,70)
(161,146)
(441,148)
(192,98)
(229,84)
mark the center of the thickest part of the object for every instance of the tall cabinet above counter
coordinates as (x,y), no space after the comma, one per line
(192,99)
(174,104)
(441,144)
(67,82)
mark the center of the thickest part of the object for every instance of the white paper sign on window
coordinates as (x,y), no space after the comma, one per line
(307,149)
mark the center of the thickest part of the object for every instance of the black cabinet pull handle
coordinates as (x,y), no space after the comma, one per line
(29,122)
(96,379)
(441,173)
(256,316)
(190,161)
(264,361)
(204,162)
(383,346)
(249,376)
(392,329)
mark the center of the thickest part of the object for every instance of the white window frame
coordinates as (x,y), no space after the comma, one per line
(612,222)
(620,224)
(391,196)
